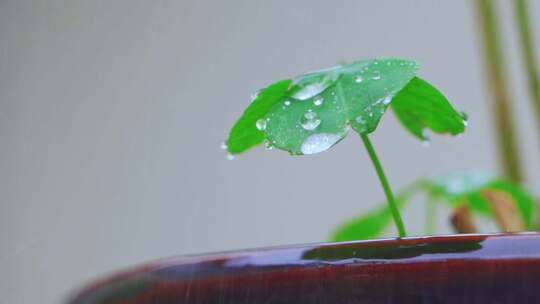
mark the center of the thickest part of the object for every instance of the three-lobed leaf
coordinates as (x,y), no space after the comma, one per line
(316,110)
(322,105)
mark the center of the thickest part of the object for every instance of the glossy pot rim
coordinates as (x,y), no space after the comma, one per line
(289,258)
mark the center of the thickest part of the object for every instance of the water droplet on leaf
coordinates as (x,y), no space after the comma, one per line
(318,101)
(376,75)
(320,142)
(362,126)
(310,115)
(254,95)
(268,145)
(311,90)
(386,101)
(426,139)
(359,79)
(261,124)
(310,121)
(287,103)
(465,118)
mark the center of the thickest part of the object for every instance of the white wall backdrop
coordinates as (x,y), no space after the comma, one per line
(112,112)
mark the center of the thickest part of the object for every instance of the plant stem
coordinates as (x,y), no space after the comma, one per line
(506,135)
(386,186)
(527,48)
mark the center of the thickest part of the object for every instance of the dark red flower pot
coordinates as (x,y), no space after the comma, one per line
(446,269)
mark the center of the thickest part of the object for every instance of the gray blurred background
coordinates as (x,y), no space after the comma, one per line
(112,114)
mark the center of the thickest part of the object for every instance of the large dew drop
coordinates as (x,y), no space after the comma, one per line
(311,90)
(320,142)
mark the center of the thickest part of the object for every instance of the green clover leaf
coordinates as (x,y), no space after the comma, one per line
(314,111)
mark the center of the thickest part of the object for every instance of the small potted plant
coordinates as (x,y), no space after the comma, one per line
(309,114)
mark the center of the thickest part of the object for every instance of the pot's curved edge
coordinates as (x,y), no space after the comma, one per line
(367,252)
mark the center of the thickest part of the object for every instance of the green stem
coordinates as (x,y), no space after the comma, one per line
(386,186)
(527,48)
(503,120)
